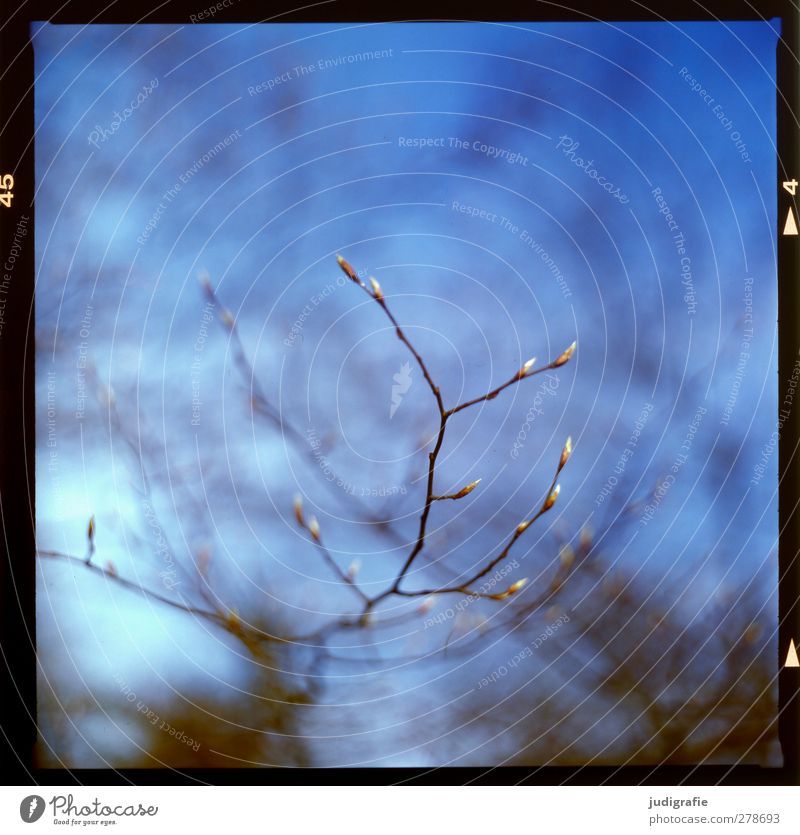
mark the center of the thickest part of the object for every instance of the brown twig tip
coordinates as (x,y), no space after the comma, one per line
(565,454)
(90,539)
(313,529)
(347,269)
(205,281)
(376,289)
(551,499)
(298,510)
(111,569)
(232,619)
(465,491)
(526,368)
(566,356)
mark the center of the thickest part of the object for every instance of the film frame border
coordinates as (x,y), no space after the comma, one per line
(17,374)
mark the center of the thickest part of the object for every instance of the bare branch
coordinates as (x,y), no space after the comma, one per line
(376,292)
(523,374)
(261,405)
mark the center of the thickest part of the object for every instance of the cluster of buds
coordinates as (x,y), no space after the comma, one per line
(312,526)
(526,370)
(553,495)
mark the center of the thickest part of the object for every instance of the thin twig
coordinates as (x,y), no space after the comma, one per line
(128,584)
(523,374)
(316,536)
(261,405)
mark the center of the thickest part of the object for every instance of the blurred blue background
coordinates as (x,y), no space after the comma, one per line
(463,165)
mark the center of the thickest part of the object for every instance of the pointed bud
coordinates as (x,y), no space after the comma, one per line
(313,528)
(427,604)
(298,510)
(465,491)
(526,368)
(565,454)
(565,357)
(512,589)
(523,526)
(353,569)
(551,499)
(90,529)
(376,289)
(226,317)
(111,568)
(347,269)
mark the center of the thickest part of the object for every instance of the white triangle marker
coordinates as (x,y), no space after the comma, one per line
(791,657)
(790,227)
